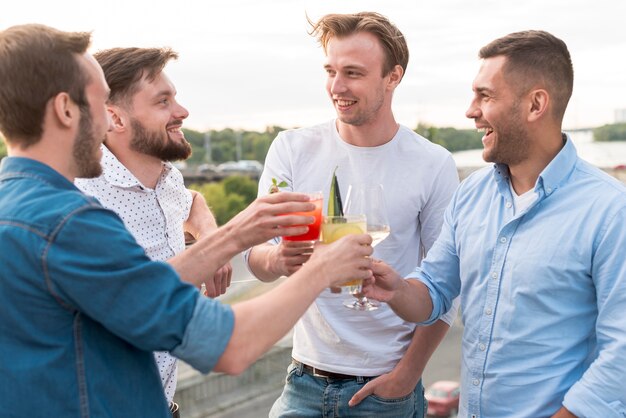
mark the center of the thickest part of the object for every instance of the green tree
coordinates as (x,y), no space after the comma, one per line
(228,197)
(241,185)
(196,139)
(614,132)
(3,147)
(450,138)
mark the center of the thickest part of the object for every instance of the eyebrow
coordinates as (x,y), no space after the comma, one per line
(483,90)
(165,92)
(347,67)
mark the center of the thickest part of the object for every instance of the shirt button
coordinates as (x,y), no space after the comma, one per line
(509,204)
(475,382)
(481,347)
(549,190)
(494,275)
(503,240)
(488,311)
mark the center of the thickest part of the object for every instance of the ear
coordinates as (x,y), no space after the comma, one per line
(539,104)
(118,118)
(64,109)
(395,76)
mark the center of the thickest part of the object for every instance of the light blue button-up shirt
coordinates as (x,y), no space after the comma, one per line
(543,291)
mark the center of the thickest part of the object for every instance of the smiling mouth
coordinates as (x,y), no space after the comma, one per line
(487,133)
(344,103)
(175,129)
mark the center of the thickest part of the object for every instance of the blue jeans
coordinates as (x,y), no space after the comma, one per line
(311,396)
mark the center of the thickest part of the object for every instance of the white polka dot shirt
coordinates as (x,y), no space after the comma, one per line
(153,216)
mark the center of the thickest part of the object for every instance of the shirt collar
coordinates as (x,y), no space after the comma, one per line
(13,167)
(118,175)
(559,169)
(553,175)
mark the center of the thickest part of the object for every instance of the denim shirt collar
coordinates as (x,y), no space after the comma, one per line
(553,175)
(21,167)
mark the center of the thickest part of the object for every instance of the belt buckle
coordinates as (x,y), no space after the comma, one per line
(316,374)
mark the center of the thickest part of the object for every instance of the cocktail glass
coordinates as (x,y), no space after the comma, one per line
(336,227)
(313,233)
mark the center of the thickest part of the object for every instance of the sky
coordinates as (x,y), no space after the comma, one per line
(248,64)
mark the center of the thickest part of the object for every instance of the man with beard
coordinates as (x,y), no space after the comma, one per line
(366,58)
(82,307)
(534,245)
(138,181)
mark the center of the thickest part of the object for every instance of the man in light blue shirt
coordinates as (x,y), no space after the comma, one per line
(534,245)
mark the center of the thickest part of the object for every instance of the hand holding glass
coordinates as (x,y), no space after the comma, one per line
(370,201)
(313,233)
(336,227)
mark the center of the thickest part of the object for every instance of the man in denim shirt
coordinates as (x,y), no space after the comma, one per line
(81,305)
(535,247)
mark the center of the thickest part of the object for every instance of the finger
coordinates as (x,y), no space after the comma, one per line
(229,274)
(291,230)
(210,289)
(363,239)
(365,391)
(297,245)
(220,282)
(288,207)
(291,220)
(285,197)
(294,252)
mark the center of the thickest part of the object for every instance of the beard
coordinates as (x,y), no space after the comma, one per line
(86,146)
(158,144)
(511,146)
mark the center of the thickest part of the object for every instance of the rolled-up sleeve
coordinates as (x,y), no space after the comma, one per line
(207,335)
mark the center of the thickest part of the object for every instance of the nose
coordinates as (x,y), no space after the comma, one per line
(473,111)
(181,112)
(336,85)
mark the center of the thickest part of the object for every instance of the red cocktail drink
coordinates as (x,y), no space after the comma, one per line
(313,233)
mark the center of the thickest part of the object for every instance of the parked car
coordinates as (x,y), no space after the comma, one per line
(241,166)
(207,169)
(443,399)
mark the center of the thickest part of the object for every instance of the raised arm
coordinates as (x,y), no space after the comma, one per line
(264,219)
(201,222)
(262,321)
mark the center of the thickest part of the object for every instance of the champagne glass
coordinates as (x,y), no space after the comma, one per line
(369,200)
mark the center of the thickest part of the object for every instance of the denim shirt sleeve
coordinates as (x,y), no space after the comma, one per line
(93,265)
(600,392)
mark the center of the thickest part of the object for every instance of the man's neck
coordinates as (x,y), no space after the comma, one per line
(146,168)
(525,174)
(376,133)
(48,155)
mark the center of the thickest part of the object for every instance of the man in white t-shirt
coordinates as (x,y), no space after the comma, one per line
(138,182)
(347,362)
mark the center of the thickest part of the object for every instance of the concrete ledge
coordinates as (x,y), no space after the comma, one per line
(201,396)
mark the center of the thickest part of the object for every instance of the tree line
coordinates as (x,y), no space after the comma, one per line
(254,145)
(231,195)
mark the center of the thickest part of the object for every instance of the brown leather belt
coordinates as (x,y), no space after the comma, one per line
(313,371)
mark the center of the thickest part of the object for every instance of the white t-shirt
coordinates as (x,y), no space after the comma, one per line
(154,217)
(419,179)
(523,201)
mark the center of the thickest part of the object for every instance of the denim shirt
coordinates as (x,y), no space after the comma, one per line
(82,306)
(543,291)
